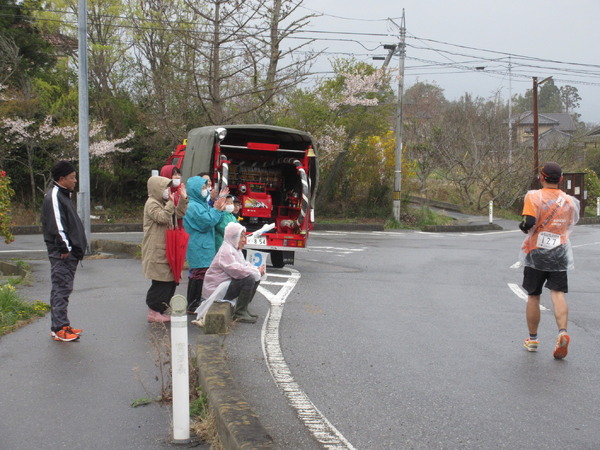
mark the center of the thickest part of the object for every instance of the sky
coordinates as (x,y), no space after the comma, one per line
(447,40)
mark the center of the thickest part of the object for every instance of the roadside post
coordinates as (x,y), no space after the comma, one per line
(491,209)
(598,206)
(180,370)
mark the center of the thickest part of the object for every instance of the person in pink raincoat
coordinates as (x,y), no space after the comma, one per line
(230,266)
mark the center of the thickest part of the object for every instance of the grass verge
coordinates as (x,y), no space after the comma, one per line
(14,312)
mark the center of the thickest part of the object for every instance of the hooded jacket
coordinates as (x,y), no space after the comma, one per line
(158,217)
(229,263)
(62,227)
(220,228)
(167,172)
(199,222)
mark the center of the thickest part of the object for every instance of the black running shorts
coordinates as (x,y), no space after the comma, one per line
(533,281)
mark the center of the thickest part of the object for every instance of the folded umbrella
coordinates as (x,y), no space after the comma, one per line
(176,246)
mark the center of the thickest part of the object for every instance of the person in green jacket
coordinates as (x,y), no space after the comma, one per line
(226,218)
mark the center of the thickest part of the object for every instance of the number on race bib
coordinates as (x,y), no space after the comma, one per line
(548,240)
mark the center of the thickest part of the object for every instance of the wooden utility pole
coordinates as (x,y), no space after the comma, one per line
(401,49)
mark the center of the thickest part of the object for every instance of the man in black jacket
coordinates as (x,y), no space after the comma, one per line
(66,242)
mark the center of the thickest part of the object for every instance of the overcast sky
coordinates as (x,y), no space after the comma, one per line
(446,40)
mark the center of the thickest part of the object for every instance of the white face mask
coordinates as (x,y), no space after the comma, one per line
(176,182)
(229,208)
(165,194)
(205,193)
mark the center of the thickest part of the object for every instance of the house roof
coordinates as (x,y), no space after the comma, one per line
(551,139)
(562,121)
(591,136)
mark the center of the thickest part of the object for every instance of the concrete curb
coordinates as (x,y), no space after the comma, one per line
(461,228)
(14,270)
(117,247)
(237,424)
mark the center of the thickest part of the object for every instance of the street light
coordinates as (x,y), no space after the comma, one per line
(536,162)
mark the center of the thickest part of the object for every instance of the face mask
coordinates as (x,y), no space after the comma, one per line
(229,208)
(205,193)
(176,182)
(165,194)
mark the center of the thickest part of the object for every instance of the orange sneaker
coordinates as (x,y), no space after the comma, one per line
(562,345)
(76,331)
(64,334)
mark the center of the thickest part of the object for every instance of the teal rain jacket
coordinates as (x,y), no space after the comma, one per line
(199,221)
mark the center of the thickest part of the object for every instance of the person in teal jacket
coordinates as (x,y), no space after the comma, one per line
(228,217)
(199,222)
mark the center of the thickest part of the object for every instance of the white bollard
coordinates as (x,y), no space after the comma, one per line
(491,208)
(180,370)
(598,206)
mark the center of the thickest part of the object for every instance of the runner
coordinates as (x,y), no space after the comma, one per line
(548,219)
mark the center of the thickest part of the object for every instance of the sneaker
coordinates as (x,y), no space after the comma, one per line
(562,346)
(76,331)
(530,345)
(64,334)
(156,317)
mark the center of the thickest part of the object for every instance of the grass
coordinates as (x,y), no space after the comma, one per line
(417,218)
(14,312)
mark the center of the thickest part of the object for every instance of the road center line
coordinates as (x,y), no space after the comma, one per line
(321,429)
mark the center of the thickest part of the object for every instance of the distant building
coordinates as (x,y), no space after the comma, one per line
(554,129)
(591,139)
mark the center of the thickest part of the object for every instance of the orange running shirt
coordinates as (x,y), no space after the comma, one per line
(555,215)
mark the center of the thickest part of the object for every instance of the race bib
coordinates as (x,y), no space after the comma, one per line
(548,240)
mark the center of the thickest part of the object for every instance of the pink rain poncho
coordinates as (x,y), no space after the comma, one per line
(228,264)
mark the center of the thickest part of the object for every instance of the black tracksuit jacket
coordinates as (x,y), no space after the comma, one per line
(62,227)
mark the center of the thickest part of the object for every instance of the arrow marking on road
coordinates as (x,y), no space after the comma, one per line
(522,294)
(321,429)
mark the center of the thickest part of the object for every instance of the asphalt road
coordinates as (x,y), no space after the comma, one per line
(79,394)
(414,340)
(388,340)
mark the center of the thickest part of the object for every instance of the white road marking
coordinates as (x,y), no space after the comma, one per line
(321,429)
(585,245)
(23,251)
(516,265)
(489,233)
(522,294)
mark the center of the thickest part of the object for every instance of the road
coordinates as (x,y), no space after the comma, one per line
(389,340)
(414,340)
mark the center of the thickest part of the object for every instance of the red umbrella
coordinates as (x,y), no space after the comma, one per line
(177,242)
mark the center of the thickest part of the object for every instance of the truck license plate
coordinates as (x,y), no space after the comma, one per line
(256,240)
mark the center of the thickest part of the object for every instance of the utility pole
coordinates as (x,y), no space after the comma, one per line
(83,196)
(509,112)
(401,51)
(536,162)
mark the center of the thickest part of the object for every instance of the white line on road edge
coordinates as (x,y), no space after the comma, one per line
(322,430)
(23,251)
(522,294)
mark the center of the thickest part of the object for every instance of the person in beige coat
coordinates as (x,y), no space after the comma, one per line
(159,214)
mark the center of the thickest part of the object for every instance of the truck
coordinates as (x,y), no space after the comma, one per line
(273,172)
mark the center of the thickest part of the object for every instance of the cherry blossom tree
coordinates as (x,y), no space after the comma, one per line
(34,144)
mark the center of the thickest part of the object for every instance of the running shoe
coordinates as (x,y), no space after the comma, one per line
(531,345)
(76,331)
(64,335)
(562,346)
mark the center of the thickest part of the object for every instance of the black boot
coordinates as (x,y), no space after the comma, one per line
(194,295)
